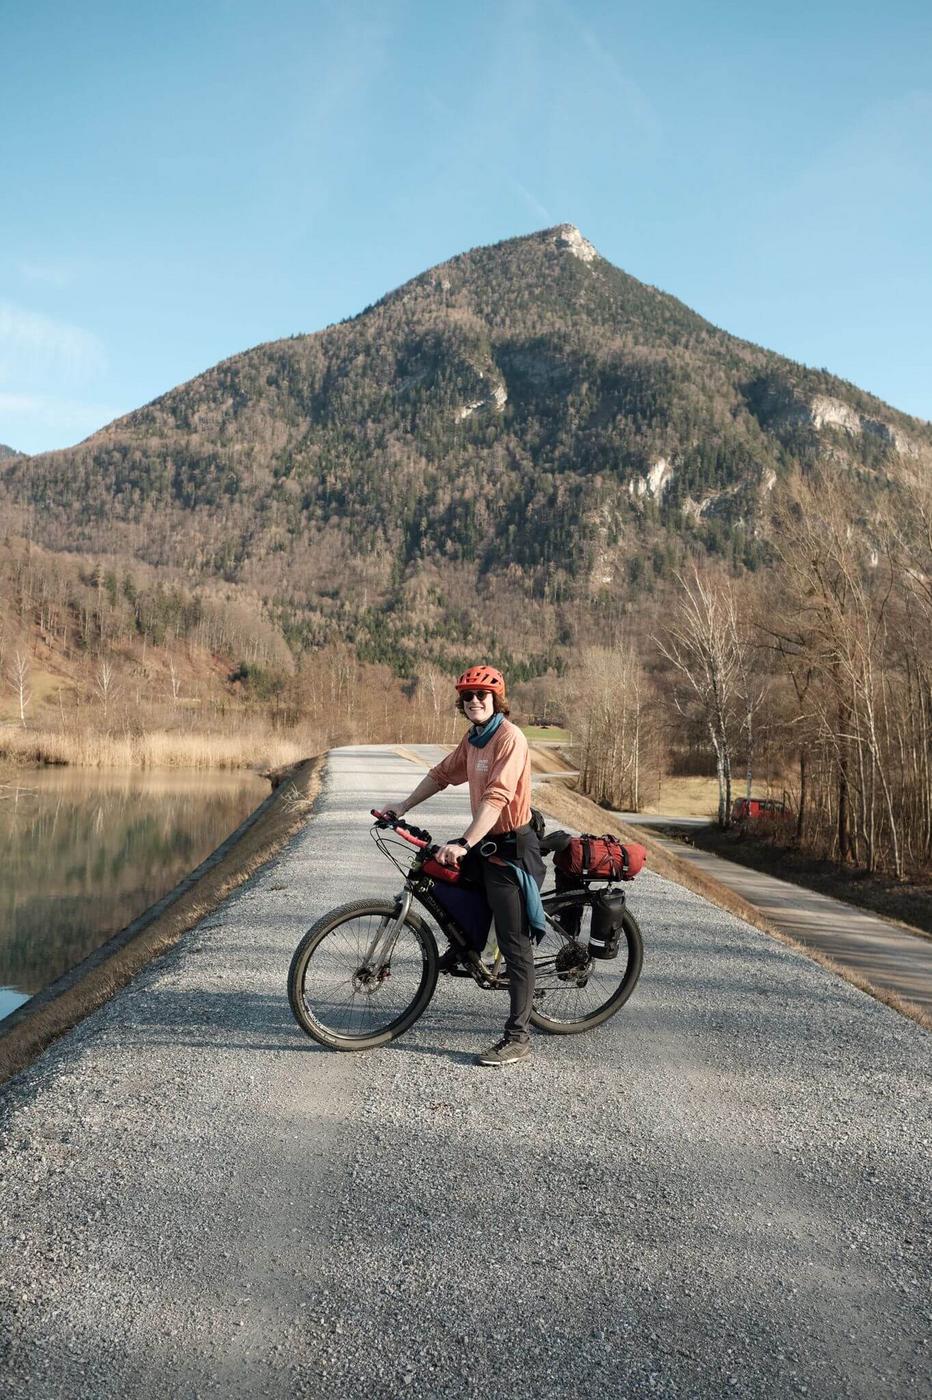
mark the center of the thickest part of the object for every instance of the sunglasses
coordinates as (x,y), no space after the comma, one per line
(467,695)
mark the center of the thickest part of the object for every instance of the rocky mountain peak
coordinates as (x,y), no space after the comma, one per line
(568,238)
(507,425)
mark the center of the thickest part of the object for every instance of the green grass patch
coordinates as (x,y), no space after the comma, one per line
(554,733)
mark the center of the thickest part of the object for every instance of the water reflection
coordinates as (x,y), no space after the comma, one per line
(84,852)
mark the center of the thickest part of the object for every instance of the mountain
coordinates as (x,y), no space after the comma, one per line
(523,433)
(8,452)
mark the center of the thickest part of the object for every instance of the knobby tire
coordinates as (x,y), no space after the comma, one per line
(338,941)
(596,1013)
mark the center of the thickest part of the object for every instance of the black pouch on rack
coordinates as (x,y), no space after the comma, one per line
(605,931)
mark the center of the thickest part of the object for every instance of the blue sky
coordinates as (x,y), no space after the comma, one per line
(181,182)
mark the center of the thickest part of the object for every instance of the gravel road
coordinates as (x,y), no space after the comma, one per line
(888,955)
(722,1192)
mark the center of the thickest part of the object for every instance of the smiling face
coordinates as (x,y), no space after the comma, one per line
(478,706)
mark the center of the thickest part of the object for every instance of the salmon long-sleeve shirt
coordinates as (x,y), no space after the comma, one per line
(499,773)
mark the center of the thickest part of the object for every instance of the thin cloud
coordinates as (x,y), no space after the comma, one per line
(639,107)
(21,403)
(32,343)
(533,202)
(45,404)
(439,105)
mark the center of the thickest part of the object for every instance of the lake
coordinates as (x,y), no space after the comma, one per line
(86,851)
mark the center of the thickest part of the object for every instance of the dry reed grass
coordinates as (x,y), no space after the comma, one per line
(584,815)
(244,748)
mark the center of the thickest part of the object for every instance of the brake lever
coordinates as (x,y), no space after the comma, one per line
(414,835)
(417,831)
(401,826)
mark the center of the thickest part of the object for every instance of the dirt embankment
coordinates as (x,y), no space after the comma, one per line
(580,813)
(548,760)
(27,1032)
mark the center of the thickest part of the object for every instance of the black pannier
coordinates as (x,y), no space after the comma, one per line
(606,929)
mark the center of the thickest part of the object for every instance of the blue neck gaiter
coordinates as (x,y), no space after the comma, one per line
(480,737)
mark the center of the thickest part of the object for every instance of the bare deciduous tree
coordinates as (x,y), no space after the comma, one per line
(703,641)
(18,681)
(105,683)
(611,715)
(853,629)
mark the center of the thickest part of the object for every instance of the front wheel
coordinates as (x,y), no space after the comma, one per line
(572,991)
(340,997)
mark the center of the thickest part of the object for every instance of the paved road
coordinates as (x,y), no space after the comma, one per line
(883,952)
(723,1191)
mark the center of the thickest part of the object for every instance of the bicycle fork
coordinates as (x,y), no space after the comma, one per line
(378,954)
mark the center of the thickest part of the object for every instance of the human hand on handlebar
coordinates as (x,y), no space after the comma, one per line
(449,855)
(390,809)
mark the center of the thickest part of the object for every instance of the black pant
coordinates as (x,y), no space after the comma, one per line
(506,900)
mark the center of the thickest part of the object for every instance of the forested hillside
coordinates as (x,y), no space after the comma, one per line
(522,432)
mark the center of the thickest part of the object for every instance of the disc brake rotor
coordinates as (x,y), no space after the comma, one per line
(367,982)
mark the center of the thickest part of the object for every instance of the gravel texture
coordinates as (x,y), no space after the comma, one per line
(723,1191)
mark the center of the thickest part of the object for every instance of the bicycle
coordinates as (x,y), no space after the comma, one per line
(363,974)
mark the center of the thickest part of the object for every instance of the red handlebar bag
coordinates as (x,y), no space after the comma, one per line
(449,874)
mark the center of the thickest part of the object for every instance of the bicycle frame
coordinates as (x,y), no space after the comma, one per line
(371,983)
(418,887)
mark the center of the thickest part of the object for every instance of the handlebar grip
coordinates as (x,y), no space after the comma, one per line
(411,840)
(412,834)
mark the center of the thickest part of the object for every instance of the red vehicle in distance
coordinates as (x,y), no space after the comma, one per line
(748,809)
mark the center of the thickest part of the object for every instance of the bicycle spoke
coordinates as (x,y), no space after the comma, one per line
(343,996)
(570,988)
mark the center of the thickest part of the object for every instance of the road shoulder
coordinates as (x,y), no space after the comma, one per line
(669,858)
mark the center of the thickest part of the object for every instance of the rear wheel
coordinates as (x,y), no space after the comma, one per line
(574,992)
(347,1004)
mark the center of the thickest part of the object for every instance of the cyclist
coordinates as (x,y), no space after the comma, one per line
(503,847)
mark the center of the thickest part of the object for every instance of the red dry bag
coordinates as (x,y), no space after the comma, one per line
(590,857)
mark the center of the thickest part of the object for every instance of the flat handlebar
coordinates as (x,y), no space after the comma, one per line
(412,834)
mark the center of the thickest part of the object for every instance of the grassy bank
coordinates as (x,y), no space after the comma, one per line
(246,747)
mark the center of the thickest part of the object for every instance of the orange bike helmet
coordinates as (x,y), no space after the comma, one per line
(482,678)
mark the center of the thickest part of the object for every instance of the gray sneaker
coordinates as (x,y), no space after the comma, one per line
(505,1052)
